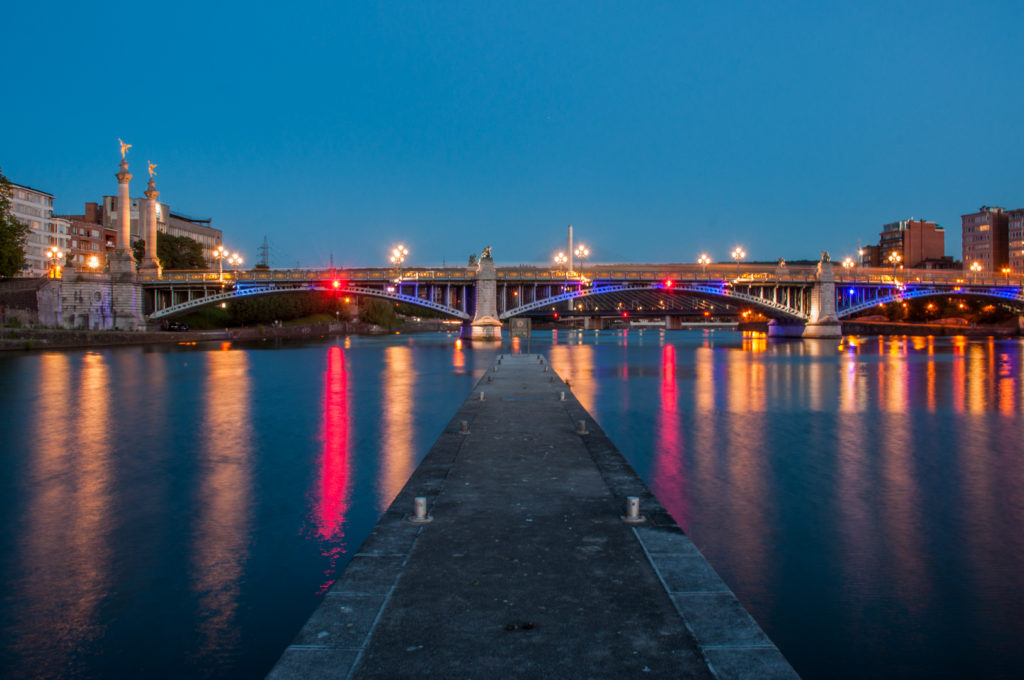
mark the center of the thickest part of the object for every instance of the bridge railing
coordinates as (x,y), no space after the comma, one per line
(270,275)
(679,272)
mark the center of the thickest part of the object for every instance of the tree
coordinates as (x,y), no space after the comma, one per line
(179,252)
(139,248)
(174,252)
(13,234)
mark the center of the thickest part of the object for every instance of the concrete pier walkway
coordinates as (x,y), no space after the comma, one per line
(527,569)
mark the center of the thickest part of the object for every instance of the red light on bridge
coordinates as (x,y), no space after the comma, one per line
(625,315)
(668,283)
(337,283)
(556,315)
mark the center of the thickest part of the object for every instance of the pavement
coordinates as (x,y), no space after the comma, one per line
(527,569)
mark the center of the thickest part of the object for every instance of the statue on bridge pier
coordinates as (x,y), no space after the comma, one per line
(485,324)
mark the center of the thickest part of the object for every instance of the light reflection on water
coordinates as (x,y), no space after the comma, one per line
(864,497)
(334,471)
(224,521)
(66,556)
(397,454)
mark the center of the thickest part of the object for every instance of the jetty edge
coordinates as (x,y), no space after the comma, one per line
(523,563)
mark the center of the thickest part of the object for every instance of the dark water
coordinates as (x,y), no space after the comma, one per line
(177,513)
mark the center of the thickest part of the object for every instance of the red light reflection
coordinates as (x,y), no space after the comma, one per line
(330,507)
(669,482)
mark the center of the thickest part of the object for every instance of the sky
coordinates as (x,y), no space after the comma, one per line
(660,130)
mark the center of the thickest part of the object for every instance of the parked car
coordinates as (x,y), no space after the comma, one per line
(175,326)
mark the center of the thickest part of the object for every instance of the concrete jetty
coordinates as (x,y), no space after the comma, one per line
(527,567)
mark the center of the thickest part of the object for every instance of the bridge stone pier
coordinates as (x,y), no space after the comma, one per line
(824,322)
(485,324)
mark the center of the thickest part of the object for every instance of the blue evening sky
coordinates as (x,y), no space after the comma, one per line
(659,129)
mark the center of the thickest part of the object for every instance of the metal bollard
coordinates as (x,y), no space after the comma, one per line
(419,511)
(495,369)
(561,396)
(545,369)
(481,396)
(581,427)
(463,427)
(633,515)
(488,378)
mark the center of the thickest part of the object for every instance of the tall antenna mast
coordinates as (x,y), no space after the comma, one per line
(264,252)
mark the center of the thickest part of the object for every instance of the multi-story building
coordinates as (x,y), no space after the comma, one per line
(89,238)
(985,238)
(34,208)
(1015,239)
(173,223)
(870,256)
(916,242)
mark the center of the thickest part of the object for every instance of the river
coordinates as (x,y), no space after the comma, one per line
(173,512)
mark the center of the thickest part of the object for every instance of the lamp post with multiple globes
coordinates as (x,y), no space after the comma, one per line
(581,253)
(704,261)
(894,259)
(234,260)
(738,254)
(54,255)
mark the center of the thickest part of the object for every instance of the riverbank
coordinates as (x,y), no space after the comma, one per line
(29,339)
(898,328)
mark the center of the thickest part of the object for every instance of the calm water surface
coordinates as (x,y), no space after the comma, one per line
(179,512)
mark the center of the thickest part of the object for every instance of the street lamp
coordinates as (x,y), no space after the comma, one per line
(704,261)
(1006,273)
(234,260)
(975,266)
(54,255)
(848,263)
(581,252)
(738,254)
(220,252)
(895,258)
(561,259)
(93,262)
(398,255)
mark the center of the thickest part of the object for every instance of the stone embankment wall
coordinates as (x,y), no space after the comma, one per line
(46,338)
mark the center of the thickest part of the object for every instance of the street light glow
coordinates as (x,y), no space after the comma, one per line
(398,254)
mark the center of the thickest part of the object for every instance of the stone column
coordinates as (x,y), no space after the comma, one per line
(824,322)
(151,261)
(485,324)
(122,262)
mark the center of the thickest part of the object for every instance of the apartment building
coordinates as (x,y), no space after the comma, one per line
(34,208)
(985,238)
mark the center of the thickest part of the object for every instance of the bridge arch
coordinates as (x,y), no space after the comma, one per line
(243,290)
(769,308)
(1011,295)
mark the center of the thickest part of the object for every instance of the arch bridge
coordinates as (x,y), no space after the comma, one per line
(788,295)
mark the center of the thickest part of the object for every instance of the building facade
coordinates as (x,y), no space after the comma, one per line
(34,209)
(172,223)
(985,238)
(916,241)
(1015,240)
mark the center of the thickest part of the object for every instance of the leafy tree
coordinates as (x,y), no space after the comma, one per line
(13,234)
(377,311)
(174,252)
(139,248)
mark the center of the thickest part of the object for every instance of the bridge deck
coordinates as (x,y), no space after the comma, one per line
(527,569)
